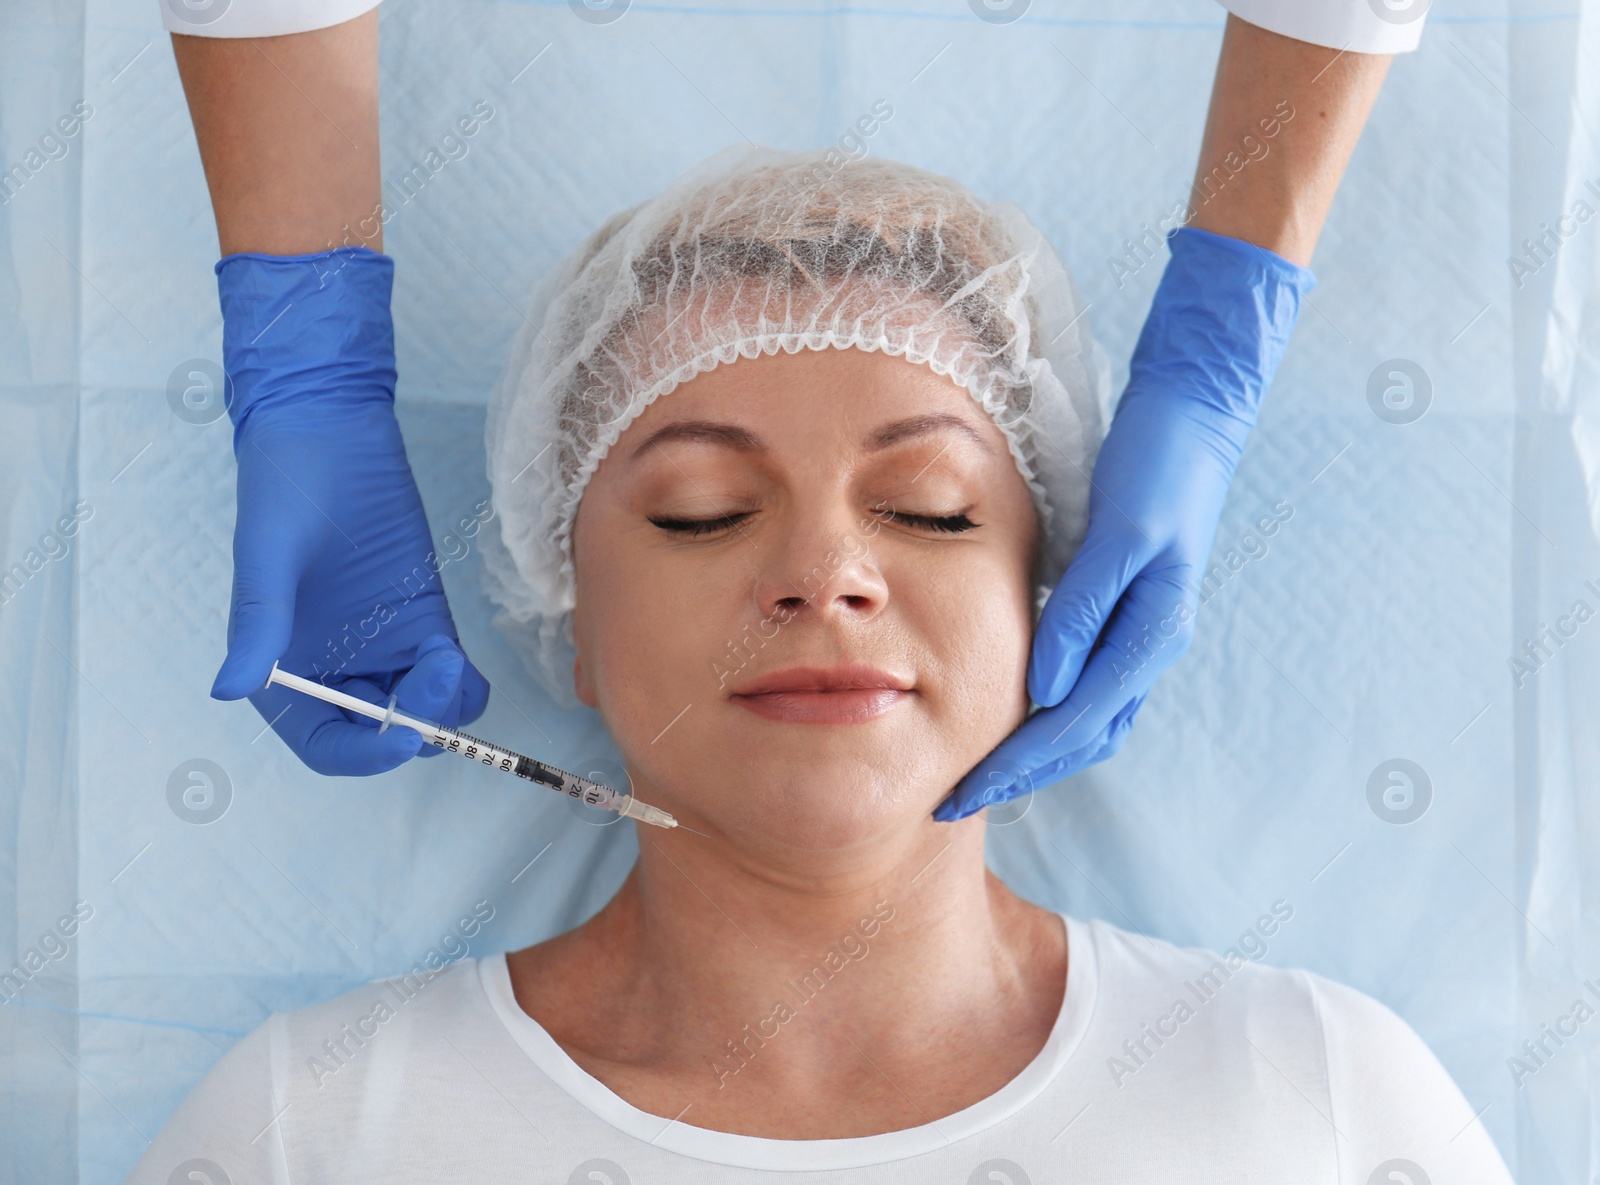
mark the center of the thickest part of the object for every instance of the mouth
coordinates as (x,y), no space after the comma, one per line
(849,694)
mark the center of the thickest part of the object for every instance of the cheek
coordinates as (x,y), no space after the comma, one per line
(647,632)
(977,626)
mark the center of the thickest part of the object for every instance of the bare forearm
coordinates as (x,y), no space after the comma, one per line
(288,135)
(1284,118)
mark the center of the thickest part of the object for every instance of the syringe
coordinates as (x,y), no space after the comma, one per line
(470,747)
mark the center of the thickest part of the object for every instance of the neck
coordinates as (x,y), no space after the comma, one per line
(738,975)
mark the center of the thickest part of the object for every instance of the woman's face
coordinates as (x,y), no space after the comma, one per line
(825,511)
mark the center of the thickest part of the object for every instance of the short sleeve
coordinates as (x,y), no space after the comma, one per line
(228,1129)
(1360,26)
(257,18)
(1394,1106)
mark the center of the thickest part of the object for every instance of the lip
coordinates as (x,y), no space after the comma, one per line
(848,676)
(848,694)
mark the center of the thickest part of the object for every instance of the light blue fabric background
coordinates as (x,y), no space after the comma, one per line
(1378,624)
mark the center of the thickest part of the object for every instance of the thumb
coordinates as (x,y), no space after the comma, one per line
(1077,611)
(433,684)
(259,625)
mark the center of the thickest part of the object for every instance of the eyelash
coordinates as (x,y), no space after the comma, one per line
(952,524)
(698,526)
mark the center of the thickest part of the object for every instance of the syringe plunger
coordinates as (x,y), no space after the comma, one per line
(464,745)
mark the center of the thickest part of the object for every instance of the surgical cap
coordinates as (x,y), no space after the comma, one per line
(757,250)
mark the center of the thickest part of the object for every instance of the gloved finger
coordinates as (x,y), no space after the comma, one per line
(1031,759)
(474,694)
(972,796)
(325,739)
(431,689)
(1151,628)
(261,621)
(329,742)
(993,783)
(471,698)
(1019,765)
(472,689)
(1102,748)
(1080,605)
(1116,736)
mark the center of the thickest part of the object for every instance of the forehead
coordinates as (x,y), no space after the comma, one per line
(832,399)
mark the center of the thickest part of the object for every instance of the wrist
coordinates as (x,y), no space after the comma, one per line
(1276,229)
(1219,323)
(1220,249)
(299,328)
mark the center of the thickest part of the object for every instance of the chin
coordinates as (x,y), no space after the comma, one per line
(825,805)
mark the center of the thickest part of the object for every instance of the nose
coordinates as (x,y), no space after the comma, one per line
(821,565)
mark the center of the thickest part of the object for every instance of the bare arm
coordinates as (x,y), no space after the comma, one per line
(1279,197)
(288,135)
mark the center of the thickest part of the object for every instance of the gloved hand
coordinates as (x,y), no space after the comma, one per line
(1218,325)
(334,573)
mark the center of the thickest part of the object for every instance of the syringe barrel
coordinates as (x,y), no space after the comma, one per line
(509,761)
(465,745)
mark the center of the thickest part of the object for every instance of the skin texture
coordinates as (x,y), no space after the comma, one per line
(808,827)
(288,135)
(1281,200)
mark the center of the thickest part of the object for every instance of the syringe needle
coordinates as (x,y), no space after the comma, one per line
(482,752)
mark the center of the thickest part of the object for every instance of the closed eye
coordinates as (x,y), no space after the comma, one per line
(950,524)
(701,526)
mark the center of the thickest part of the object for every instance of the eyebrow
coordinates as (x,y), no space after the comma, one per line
(743,440)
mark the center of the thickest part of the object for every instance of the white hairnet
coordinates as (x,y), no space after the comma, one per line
(757,250)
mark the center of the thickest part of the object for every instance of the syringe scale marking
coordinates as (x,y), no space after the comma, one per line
(511,762)
(473,749)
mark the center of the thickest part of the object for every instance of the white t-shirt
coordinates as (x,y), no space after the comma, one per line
(1164,1065)
(1360,26)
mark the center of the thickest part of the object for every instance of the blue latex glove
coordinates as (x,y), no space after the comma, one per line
(334,574)
(1218,325)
